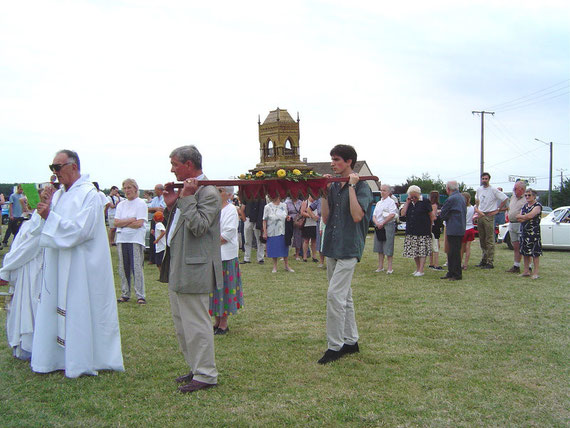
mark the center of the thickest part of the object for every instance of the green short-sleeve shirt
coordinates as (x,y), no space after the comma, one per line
(344,238)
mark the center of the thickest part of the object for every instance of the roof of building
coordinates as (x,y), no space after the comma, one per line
(278,115)
(325,167)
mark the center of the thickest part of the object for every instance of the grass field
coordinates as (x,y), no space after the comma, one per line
(491,350)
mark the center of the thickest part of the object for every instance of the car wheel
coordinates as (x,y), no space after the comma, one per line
(507,240)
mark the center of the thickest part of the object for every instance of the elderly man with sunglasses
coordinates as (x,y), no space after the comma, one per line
(77,327)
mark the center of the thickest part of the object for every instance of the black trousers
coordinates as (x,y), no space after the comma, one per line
(454,256)
(13,228)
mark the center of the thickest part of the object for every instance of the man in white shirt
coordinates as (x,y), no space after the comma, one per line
(515,205)
(488,202)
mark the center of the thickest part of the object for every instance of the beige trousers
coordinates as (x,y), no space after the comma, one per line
(486,229)
(195,334)
(341,322)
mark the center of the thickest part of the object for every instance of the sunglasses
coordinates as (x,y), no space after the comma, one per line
(56,167)
(528,194)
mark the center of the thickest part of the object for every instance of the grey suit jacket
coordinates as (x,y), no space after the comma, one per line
(194,257)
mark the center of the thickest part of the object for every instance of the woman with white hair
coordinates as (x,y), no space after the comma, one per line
(274,216)
(131,217)
(419,217)
(228,299)
(385,228)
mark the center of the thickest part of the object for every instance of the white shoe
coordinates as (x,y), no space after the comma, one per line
(389,272)
(289,270)
(379,270)
(419,274)
(414,274)
(274,271)
(320,265)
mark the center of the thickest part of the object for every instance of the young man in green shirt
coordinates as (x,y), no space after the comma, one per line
(346,212)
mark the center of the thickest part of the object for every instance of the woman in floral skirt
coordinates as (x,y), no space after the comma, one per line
(228,299)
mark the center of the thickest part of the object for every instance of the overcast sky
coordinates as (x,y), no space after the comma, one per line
(125,82)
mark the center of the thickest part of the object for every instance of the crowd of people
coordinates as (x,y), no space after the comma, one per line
(64,315)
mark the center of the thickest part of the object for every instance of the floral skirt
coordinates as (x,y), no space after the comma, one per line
(229,298)
(530,244)
(417,246)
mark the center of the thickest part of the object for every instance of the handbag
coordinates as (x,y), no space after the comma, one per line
(380,234)
(300,222)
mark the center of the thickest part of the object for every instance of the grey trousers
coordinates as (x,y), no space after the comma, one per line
(251,232)
(341,322)
(195,334)
(131,259)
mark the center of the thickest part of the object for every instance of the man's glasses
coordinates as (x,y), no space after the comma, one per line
(56,167)
(528,194)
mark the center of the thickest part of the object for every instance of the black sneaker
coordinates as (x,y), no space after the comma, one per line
(330,356)
(244,262)
(488,266)
(349,349)
(481,264)
(261,262)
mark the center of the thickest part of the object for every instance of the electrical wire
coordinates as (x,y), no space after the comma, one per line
(531,103)
(531,94)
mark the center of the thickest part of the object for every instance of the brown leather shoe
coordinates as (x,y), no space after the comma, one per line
(185,378)
(194,386)
(514,269)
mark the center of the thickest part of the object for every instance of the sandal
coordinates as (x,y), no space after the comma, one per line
(123,300)
(141,301)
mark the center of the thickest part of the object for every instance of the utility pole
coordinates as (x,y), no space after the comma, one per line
(550,172)
(561,177)
(483,113)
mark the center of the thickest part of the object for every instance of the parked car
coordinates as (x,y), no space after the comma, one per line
(401,226)
(554,230)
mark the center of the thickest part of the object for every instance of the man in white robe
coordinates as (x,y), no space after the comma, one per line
(22,268)
(77,327)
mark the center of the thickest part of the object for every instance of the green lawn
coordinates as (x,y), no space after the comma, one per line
(491,350)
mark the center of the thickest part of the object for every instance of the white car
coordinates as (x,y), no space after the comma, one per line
(554,230)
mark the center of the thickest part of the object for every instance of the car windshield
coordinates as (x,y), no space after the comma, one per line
(561,215)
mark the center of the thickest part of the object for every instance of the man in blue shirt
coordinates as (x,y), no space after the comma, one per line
(453,212)
(16,210)
(345,210)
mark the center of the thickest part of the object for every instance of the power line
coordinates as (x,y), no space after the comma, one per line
(536,98)
(531,94)
(532,103)
(502,162)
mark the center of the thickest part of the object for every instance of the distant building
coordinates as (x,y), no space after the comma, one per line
(361,168)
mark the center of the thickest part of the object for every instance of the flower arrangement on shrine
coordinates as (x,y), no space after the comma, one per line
(286,174)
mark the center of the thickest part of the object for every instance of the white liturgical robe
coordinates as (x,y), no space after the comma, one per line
(77,327)
(22,268)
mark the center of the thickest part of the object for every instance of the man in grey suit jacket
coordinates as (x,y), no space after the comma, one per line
(454,212)
(194,265)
